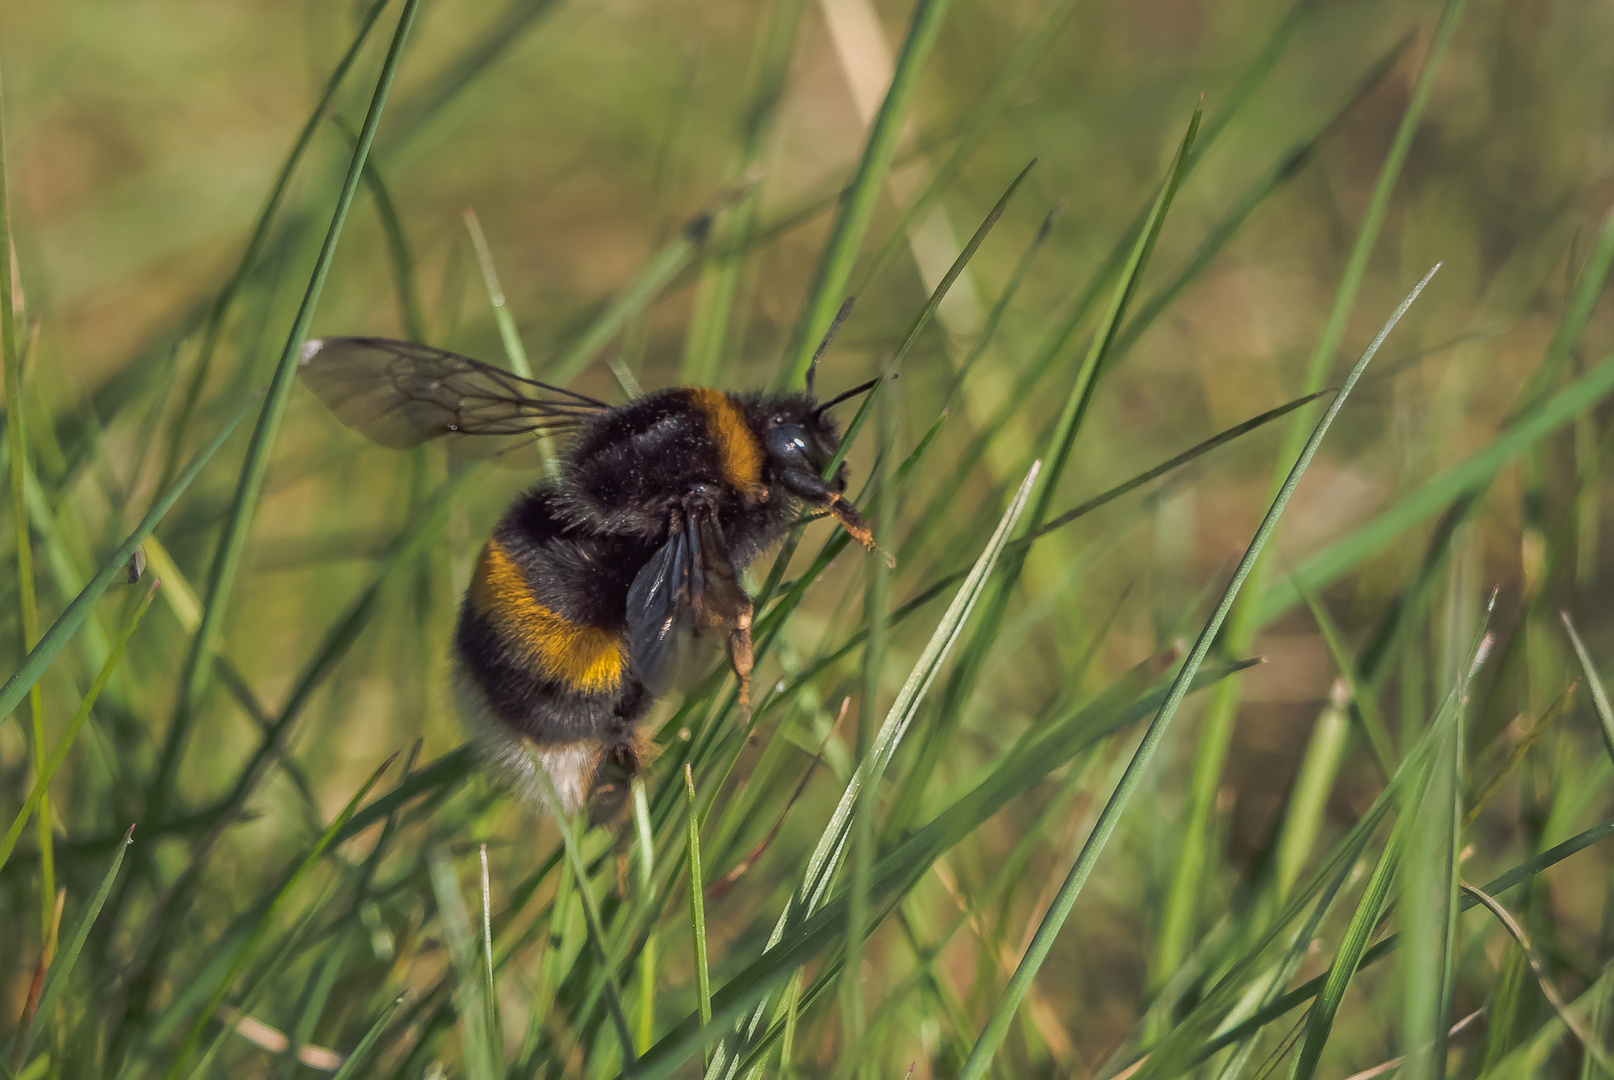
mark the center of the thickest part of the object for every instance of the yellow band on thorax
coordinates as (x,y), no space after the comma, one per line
(739,452)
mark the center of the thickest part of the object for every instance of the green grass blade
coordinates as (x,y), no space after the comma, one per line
(1369,909)
(213,328)
(482,1055)
(243,504)
(697,905)
(259,932)
(663,266)
(857,205)
(58,754)
(1327,566)
(1187,885)
(591,914)
(27,597)
(1056,455)
(997,1026)
(72,618)
(1605,714)
(1307,991)
(515,353)
(361,1053)
(62,966)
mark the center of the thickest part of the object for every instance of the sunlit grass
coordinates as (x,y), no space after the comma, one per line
(991,813)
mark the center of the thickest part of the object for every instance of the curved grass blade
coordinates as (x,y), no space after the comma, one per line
(62,966)
(58,755)
(857,205)
(997,1026)
(213,328)
(826,856)
(361,1053)
(68,622)
(256,936)
(1327,566)
(237,524)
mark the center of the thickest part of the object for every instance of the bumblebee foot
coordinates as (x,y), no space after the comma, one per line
(856,527)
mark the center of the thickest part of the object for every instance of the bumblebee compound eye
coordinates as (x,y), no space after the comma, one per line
(788,443)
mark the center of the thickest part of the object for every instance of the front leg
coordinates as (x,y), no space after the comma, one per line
(811,488)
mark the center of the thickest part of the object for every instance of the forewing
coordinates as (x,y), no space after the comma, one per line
(687,598)
(661,614)
(402,394)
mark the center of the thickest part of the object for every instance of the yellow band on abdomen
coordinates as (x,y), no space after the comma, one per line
(583,658)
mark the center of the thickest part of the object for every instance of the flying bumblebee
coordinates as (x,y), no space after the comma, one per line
(597,585)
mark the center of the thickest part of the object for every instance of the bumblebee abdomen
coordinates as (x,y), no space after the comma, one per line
(580,657)
(542,631)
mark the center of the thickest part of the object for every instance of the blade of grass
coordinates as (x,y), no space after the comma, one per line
(238,519)
(515,353)
(73,616)
(259,932)
(1003,1013)
(361,1053)
(62,967)
(36,797)
(663,266)
(1307,991)
(857,205)
(591,915)
(1605,714)
(27,599)
(213,327)
(1327,566)
(1057,453)
(481,1056)
(697,908)
(708,330)
(826,856)
(1183,898)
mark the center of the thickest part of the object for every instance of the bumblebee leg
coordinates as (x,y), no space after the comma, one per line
(856,527)
(741,657)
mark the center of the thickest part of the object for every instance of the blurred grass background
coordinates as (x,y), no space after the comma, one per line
(141,143)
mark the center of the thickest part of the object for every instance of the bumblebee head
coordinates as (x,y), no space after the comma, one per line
(801,437)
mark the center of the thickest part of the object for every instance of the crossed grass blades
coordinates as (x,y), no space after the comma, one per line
(827,891)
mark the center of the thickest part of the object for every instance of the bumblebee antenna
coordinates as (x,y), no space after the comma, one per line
(829,336)
(859,389)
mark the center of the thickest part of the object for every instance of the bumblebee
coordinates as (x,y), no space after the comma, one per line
(599,586)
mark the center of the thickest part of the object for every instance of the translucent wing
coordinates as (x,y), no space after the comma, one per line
(686,595)
(401,394)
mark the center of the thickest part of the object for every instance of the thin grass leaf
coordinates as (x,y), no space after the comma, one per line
(591,915)
(360,1055)
(1605,713)
(482,1054)
(826,856)
(243,504)
(74,615)
(1307,991)
(1339,558)
(213,328)
(515,354)
(62,966)
(22,536)
(997,1026)
(857,204)
(1182,902)
(1594,1050)
(259,932)
(634,298)
(35,801)
(697,905)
